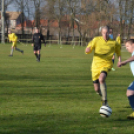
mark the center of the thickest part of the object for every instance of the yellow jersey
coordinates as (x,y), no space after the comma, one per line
(103,52)
(12,37)
(118,39)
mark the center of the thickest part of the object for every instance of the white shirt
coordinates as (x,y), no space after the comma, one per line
(132,64)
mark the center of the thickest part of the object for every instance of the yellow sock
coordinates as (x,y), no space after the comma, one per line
(103,89)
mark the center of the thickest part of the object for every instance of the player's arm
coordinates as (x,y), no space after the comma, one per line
(42,38)
(33,40)
(119,61)
(90,47)
(14,37)
(118,52)
(118,39)
(9,38)
(126,61)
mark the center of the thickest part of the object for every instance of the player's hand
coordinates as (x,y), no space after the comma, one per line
(87,50)
(32,45)
(122,63)
(119,64)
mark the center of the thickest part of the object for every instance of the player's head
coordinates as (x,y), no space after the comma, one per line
(36,30)
(110,31)
(105,32)
(130,45)
(9,32)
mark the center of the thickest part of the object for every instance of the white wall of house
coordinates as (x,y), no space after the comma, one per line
(12,23)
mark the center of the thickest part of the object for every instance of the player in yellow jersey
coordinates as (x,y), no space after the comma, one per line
(13,38)
(104,48)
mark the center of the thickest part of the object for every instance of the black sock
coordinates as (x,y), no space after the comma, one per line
(36,55)
(131,101)
(39,57)
(113,61)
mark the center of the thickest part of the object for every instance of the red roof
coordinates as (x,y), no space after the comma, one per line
(27,23)
(63,23)
(44,23)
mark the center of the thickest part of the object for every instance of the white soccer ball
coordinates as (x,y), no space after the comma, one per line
(105,111)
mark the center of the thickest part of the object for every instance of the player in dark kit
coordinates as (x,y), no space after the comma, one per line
(37,37)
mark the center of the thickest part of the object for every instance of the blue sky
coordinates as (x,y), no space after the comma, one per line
(14,7)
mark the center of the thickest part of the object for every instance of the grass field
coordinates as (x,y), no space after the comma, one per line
(56,96)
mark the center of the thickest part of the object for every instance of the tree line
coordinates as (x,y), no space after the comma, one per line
(87,15)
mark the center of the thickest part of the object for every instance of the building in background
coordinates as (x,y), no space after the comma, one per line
(12,19)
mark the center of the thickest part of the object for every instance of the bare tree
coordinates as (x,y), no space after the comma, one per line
(37,15)
(21,4)
(125,16)
(7,3)
(130,18)
(122,15)
(73,9)
(48,13)
(0,4)
(59,14)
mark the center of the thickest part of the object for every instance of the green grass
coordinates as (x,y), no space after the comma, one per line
(56,96)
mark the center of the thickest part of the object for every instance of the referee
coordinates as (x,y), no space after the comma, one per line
(37,37)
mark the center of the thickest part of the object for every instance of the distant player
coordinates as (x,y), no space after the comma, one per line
(130,90)
(118,39)
(37,37)
(104,48)
(111,34)
(13,38)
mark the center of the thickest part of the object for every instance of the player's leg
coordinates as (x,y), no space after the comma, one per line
(39,54)
(36,54)
(97,87)
(113,62)
(35,49)
(103,87)
(95,78)
(17,49)
(130,95)
(12,49)
(113,58)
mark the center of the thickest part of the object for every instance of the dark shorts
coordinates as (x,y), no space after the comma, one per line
(97,81)
(131,86)
(36,48)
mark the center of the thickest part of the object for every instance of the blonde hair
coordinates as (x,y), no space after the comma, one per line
(103,27)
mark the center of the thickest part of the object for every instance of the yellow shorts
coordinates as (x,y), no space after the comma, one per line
(96,72)
(14,44)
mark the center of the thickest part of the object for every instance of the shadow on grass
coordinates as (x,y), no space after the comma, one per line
(60,124)
(44,77)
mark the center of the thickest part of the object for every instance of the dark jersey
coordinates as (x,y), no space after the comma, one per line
(37,37)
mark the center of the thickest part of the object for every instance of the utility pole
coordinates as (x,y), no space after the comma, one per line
(3,22)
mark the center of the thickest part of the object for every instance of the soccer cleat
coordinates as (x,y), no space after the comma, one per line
(22,52)
(131,116)
(37,60)
(113,69)
(10,55)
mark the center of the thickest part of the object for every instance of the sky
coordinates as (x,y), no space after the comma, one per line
(14,7)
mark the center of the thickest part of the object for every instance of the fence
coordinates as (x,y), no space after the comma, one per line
(81,43)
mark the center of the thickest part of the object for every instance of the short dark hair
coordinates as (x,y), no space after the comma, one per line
(131,41)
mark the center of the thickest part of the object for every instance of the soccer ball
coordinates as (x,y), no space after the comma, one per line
(105,111)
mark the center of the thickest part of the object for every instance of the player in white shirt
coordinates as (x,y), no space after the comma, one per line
(130,91)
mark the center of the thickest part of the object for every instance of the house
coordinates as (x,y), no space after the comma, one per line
(12,19)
